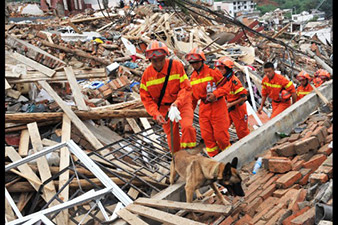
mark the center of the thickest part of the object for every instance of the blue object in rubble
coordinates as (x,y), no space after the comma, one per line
(130,65)
(96,84)
(133,84)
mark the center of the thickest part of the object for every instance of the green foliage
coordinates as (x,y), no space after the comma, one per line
(266,8)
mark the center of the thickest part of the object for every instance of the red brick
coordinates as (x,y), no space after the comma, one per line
(305,175)
(251,208)
(268,203)
(305,145)
(260,222)
(298,165)
(287,221)
(228,221)
(287,149)
(300,198)
(294,137)
(282,141)
(288,196)
(273,211)
(328,139)
(261,213)
(318,133)
(268,191)
(112,85)
(288,179)
(254,195)
(271,181)
(315,161)
(318,177)
(325,150)
(279,193)
(330,129)
(274,219)
(328,170)
(277,165)
(244,220)
(307,218)
(103,88)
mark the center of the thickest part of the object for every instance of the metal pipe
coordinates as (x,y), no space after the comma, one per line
(323,212)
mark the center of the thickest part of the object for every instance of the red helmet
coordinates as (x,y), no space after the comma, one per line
(323,74)
(156,49)
(284,95)
(195,55)
(224,61)
(303,75)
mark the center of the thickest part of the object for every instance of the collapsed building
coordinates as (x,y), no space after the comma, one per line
(81,149)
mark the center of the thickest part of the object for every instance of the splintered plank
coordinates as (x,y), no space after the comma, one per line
(24,143)
(78,96)
(64,162)
(43,168)
(23,200)
(195,207)
(133,124)
(31,63)
(160,216)
(130,218)
(7,86)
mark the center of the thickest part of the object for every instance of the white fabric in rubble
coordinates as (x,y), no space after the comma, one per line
(174,114)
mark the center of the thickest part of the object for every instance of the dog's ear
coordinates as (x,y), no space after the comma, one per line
(227,170)
(234,162)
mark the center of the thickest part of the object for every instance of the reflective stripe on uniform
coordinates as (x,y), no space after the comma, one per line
(274,85)
(198,81)
(212,149)
(183,78)
(144,87)
(189,145)
(161,80)
(288,85)
(303,92)
(226,147)
(237,91)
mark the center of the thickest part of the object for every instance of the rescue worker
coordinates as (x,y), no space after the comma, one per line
(235,98)
(321,76)
(177,94)
(278,88)
(304,88)
(213,113)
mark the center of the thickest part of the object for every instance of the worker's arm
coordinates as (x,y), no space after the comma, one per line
(262,104)
(238,101)
(294,97)
(185,86)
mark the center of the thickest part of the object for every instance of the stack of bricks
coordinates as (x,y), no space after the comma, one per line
(278,193)
(106,90)
(79,139)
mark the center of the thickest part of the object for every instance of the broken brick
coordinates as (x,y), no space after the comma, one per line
(329,138)
(279,165)
(298,165)
(273,211)
(300,198)
(318,133)
(252,206)
(306,144)
(315,161)
(288,196)
(307,218)
(294,137)
(268,203)
(260,214)
(305,175)
(244,220)
(287,149)
(330,129)
(328,161)
(279,193)
(272,180)
(318,177)
(307,156)
(275,217)
(268,191)
(328,170)
(282,141)
(288,179)
(228,221)
(325,150)
(287,221)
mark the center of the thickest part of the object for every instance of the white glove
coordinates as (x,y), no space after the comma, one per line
(174,114)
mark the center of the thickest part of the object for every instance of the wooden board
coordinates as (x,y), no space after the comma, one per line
(133,124)
(195,207)
(64,162)
(9,214)
(43,168)
(76,91)
(13,93)
(29,62)
(160,216)
(23,200)
(130,218)
(24,143)
(47,142)
(7,86)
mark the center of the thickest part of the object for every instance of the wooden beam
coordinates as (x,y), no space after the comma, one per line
(194,207)
(83,115)
(76,91)
(130,218)
(64,162)
(31,63)
(43,167)
(7,86)
(160,216)
(24,143)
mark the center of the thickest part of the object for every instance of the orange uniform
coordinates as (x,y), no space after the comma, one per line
(272,88)
(213,116)
(317,81)
(178,90)
(302,91)
(238,113)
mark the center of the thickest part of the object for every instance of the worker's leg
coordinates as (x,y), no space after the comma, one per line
(240,117)
(208,136)
(220,125)
(277,108)
(176,135)
(188,139)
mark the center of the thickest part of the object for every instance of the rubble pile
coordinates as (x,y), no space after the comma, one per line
(77,79)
